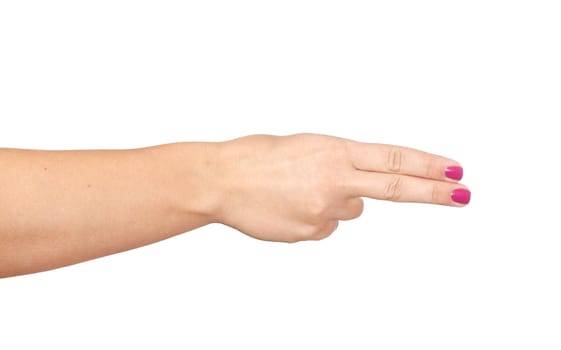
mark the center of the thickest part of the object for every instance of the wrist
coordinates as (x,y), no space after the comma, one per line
(188,173)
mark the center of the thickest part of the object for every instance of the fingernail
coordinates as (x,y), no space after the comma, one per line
(461,195)
(454,172)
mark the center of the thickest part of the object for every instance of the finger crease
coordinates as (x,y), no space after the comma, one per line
(393,190)
(394,161)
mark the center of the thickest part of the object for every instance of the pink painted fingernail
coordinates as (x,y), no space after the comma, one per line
(461,195)
(454,172)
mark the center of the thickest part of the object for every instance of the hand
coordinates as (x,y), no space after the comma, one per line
(62,207)
(293,188)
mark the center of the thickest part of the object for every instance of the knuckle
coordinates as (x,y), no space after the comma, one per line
(324,232)
(303,233)
(394,160)
(394,189)
(354,209)
(319,236)
(437,194)
(309,232)
(318,207)
(432,167)
(314,232)
(358,209)
(429,171)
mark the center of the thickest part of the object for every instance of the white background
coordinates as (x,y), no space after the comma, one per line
(478,81)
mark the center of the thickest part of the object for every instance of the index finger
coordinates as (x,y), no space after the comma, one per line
(403,160)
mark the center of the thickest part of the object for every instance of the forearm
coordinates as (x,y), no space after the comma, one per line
(62,207)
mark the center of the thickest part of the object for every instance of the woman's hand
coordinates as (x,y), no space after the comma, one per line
(294,188)
(58,208)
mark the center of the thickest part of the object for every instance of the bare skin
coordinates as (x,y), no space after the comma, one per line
(59,208)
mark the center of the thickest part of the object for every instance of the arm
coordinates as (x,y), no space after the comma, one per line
(61,207)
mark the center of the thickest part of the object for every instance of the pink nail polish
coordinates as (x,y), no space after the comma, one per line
(454,172)
(461,195)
